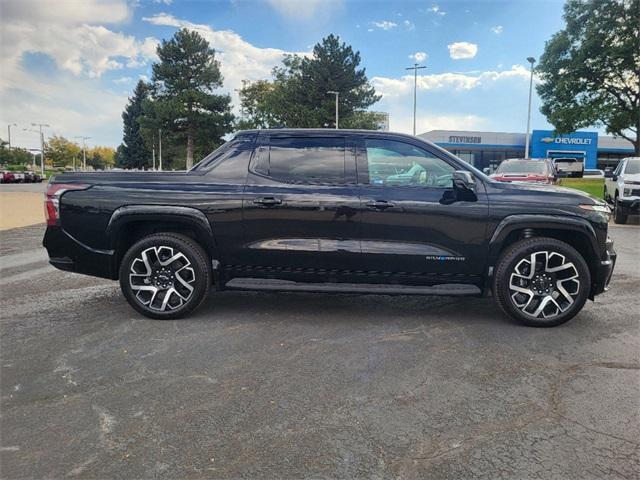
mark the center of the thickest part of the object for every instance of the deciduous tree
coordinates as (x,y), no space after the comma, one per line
(590,71)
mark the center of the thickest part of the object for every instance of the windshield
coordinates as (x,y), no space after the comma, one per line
(633,166)
(522,166)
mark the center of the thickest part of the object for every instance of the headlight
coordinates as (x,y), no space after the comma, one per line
(627,191)
(596,208)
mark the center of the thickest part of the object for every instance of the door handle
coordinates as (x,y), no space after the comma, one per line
(267,201)
(379,204)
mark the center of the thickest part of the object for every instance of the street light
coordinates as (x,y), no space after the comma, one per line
(415,69)
(531,60)
(84,151)
(9,132)
(40,126)
(337,94)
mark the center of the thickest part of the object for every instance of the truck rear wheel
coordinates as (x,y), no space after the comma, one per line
(541,282)
(165,276)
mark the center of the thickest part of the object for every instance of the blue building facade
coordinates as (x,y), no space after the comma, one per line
(580,145)
(488,149)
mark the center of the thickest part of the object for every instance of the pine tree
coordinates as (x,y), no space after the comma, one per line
(183,103)
(133,153)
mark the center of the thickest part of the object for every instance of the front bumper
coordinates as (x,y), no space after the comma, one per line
(69,254)
(630,204)
(605,269)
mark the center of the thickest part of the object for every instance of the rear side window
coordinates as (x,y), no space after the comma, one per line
(305,160)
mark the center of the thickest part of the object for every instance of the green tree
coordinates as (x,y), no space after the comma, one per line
(183,102)
(101,158)
(133,152)
(298,96)
(590,71)
(61,152)
(14,156)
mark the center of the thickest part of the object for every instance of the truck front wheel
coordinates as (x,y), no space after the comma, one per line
(165,276)
(541,282)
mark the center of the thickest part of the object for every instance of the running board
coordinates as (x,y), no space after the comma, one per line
(373,288)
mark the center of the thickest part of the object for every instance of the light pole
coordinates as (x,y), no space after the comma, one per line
(84,152)
(40,125)
(34,156)
(415,69)
(9,132)
(337,94)
(531,60)
(160,149)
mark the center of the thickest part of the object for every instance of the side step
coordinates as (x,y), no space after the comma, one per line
(373,288)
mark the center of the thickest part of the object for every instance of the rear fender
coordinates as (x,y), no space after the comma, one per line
(188,217)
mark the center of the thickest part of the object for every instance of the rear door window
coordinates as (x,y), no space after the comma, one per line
(304,160)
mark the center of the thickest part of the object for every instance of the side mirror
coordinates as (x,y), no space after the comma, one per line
(463,180)
(486,171)
(608,172)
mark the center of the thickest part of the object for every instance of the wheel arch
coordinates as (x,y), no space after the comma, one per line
(130,223)
(578,233)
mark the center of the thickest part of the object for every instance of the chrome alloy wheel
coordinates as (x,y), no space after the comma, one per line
(162,278)
(544,285)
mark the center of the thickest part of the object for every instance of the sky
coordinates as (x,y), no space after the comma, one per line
(72,64)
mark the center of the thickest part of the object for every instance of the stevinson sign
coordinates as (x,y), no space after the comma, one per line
(567,140)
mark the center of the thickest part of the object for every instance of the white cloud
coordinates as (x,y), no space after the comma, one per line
(304,9)
(498,29)
(409,25)
(395,87)
(65,12)
(239,59)
(462,50)
(436,10)
(419,56)
(402,121)
(122,80)
(165,2)
(385,25)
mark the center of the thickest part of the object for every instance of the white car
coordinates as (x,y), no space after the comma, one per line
(593,173)
(622,188)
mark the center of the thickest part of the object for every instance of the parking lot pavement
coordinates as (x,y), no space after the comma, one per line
(264,385)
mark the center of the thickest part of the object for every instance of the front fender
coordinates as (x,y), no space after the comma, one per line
(514,223)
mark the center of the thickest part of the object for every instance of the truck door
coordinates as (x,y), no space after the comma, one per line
(413,229)
(301,211)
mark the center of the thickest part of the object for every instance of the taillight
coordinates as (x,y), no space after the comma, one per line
(52,199)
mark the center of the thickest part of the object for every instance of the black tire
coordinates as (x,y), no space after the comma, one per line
(190,269)
(517,256)
(619,216)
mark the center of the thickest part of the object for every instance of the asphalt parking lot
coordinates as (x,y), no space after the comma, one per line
(266,385)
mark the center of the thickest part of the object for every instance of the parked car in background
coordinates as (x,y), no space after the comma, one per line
(622,188)
(7,177)
(332,211)
(29,177)
(593,173)
(571,167)
(526,170)
(19,177)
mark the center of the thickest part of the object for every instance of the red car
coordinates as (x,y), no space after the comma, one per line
(530,171)
(8,177)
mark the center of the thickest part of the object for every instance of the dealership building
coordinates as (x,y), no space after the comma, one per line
(488,149)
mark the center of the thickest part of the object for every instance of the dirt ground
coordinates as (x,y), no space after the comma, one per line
(19,209)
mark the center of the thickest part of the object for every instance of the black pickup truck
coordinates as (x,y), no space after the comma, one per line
(331,211)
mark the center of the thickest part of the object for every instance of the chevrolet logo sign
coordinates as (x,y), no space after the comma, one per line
(547,140)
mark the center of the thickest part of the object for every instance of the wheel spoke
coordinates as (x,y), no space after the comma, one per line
(162,278)
(544,284)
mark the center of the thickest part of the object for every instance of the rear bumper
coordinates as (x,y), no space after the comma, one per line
(605,269)
(68,254)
